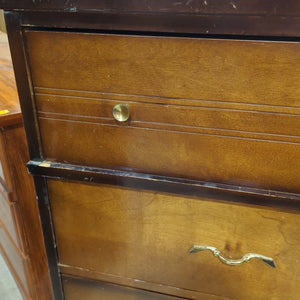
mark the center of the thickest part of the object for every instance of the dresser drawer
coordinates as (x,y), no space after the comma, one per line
(222,111)
(142,239)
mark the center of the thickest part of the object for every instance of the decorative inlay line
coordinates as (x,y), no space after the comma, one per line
(203,129)
(251,107)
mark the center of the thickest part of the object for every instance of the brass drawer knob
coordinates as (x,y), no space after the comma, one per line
(121,112)
(233,262)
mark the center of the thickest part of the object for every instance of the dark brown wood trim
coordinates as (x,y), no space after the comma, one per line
(274,7)
(49,236)
(22,75)
(219,192)
(205,24)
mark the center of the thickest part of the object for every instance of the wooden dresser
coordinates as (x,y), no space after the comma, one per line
(164,142)
(21,240)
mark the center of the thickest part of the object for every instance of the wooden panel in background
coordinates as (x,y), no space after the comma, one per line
(30,220)
(9,215)
(9,99)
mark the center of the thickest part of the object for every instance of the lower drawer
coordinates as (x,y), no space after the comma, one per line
(75,289)
(142,239)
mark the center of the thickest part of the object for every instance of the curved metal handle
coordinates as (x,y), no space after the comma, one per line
(233,262)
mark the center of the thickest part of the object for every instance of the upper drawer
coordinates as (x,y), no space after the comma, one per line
(215,110)
(202,69)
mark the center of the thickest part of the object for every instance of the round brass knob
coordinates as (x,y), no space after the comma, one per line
(121,112)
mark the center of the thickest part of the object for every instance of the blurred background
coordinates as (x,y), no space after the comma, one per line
(2,25)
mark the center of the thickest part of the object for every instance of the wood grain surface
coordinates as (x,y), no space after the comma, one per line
(260,72)
(29,219)
(9,99)
(75,289)
(218,110)
(119,233)
(19,214)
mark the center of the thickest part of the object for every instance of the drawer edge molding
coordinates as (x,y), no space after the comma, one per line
(77,272)
(201,23)
(214,191)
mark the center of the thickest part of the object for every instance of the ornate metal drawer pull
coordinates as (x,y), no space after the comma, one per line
(233,262)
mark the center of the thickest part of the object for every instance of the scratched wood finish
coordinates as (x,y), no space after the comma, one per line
(277,7)
(144,235)
(238,17)
(75,289)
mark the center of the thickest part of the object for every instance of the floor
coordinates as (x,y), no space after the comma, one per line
(8,287)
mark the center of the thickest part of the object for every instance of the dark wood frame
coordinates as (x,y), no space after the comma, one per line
(58,15)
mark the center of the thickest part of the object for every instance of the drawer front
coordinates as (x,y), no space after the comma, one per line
(142,239)
(8,217)
(218,110)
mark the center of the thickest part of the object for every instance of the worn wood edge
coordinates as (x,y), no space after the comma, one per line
(205,24)
(167,6)
(49,236)
(213,191)
(82,273)
(23,81)
(11,119)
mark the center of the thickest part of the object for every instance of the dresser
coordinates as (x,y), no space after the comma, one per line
(164,142)
(21,240)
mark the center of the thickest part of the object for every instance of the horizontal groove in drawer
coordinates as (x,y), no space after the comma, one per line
(133,233)
(167,115)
